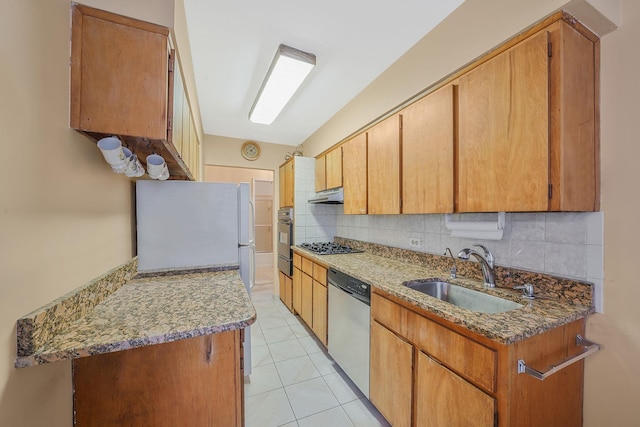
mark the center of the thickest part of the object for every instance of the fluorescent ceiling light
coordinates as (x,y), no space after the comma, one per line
(288,70)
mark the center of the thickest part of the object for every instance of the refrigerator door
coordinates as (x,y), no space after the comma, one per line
(247,255)
(186,224)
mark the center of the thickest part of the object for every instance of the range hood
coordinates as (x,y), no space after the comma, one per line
(333,196)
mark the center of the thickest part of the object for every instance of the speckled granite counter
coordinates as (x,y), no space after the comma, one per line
(388,274)
(138,312)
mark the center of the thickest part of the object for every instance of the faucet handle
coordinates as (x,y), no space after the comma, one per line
(487,254)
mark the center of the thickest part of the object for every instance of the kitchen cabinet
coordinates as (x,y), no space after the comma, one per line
(457,377)
(320,301)
(329,170)
(383,166)
(297,283)
(285,174)
(527,127)
(321,173)
(311,280)
(427,154)
(122,84)
(286,290)
(195,381)
(306,309)
(437,386)
(391,375)
(354,173)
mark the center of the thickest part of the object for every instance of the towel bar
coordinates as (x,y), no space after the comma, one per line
(590,348)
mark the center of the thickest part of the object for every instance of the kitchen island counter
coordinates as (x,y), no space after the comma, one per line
(138,312)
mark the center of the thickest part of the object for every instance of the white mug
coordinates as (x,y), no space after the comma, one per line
(157,167)
(113,153)
(134,168)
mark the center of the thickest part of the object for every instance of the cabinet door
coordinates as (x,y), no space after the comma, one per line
(297,290)
(503,150)
(281,187)
(306,309)
(334,168)
(427,154)
(383,169)
(355,175)
(286,295)
(391,375)
(320,311)
(136,387)
(445,399)
(288,183)
(321,173)
(119,75)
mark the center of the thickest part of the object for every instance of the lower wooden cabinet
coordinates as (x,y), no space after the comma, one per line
(306,309)
(297,291)
(196,382)
(310,295)
(391,375)
(426,371)
(319,322)
(286,290)
(443,398)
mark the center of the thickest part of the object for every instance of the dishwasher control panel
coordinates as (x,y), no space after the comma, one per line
(356,287)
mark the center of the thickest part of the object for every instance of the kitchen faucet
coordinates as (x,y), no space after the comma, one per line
(487,262)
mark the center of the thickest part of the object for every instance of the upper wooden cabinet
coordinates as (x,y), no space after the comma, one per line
(122,84)
(354,158)
(329,170)
(286,183)
(321,173)
(526,127)
(427,154)
(383,166)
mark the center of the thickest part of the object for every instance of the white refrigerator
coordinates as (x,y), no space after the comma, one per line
(186,225)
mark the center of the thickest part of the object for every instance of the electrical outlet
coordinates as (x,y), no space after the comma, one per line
(414,243)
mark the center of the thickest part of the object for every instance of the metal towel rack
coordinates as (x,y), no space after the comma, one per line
(590,348)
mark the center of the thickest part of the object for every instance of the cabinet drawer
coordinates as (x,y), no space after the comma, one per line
(297,261)
(389,314)
(461,354)
(307,266)
(320,274)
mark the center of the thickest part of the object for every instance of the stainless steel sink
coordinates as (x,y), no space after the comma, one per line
(462,297)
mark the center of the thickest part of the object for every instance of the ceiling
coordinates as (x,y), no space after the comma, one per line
(233,43)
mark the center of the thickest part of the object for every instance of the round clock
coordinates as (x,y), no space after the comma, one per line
(250,150)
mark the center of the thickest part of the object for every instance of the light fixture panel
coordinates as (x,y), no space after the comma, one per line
(288,70)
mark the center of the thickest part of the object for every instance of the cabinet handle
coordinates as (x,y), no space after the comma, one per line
(590,348)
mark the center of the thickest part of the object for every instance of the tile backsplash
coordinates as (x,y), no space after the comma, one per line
(564,244)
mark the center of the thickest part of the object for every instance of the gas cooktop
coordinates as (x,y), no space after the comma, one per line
(328,248)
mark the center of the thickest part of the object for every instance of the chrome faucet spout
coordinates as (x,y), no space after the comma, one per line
(486,261)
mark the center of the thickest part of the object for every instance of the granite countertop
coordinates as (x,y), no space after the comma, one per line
(387,274)
(145,311)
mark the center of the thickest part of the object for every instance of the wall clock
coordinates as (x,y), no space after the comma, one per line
(250,150)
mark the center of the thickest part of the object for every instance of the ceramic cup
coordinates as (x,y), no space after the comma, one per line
(157,167)
(113,153)
(134,168)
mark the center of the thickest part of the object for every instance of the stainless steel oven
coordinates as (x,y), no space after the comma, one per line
(285,240)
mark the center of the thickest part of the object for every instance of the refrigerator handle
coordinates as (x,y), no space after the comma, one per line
(252,243)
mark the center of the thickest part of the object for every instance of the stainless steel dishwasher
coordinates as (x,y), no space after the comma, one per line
(348,330)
